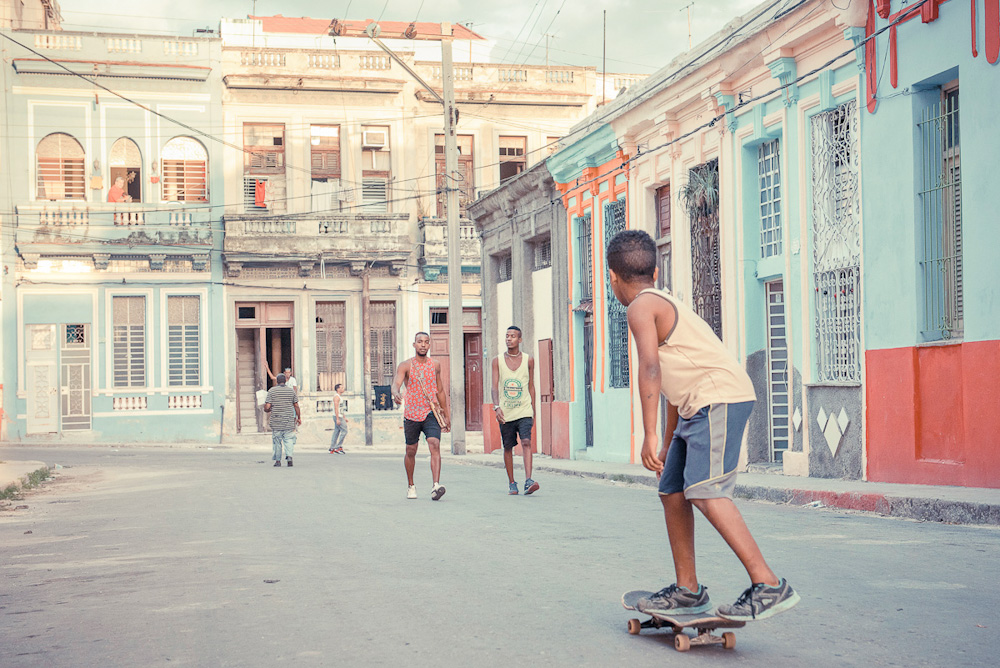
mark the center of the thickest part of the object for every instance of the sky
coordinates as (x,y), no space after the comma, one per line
(642,35)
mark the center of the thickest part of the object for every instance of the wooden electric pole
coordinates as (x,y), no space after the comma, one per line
(456,338)
(456,329)
(366,336)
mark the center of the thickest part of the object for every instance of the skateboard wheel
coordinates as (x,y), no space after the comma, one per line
(729,640)
(633,626)
(681,642)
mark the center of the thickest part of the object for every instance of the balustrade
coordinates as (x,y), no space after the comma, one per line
(128,403)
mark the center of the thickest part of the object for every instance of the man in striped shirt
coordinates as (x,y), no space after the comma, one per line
(283,405)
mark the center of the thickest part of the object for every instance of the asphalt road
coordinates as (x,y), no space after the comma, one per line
(211,557)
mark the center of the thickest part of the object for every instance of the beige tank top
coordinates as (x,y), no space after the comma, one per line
(696,369)
(514,397)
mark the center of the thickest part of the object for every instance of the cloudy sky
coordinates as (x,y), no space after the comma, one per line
(642,35)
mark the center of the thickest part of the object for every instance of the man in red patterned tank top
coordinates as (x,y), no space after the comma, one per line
(425,397)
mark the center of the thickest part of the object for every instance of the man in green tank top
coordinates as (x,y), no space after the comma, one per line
(514,404)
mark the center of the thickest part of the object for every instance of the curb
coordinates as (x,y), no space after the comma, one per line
(923,509)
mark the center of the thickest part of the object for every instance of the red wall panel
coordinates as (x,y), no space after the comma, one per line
(933,414)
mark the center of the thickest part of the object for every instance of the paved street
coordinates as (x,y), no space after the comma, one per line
(210,557)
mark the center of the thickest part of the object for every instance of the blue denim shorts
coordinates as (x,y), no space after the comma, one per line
(704,452)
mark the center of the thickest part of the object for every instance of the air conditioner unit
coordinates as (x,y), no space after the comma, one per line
(374,139)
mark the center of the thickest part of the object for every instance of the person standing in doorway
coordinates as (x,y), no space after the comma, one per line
(514,404)
(283,406)
(290,380)
(426,399)
(339,421)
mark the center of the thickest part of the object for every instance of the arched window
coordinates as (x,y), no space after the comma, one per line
(126,163)
(60,168)
(185,171)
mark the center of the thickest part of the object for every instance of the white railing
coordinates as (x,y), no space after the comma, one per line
(184,401)
(179,48)
(61,216)
(128,403)
(468,233)
(559,76)
(332,227)
(64,42)
(124,45)
(180,219)
(512,76)
(374,62)
(129,216)
(269,226)
(262,58)
(326,61)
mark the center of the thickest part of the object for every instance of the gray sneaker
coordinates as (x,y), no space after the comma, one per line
(760,601)
(674,600)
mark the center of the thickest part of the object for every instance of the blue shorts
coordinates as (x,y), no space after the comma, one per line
(704,452)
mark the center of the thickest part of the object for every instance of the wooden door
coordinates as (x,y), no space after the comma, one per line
(246,380)
(545,391)
(474,382)
(41,379)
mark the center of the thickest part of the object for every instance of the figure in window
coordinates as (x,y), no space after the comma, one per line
(119,191)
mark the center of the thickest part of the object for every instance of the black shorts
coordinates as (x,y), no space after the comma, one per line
(509,431)
(429,425)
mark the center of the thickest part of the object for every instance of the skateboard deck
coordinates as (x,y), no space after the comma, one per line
(703,624)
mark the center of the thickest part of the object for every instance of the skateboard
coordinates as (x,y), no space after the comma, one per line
(703,624)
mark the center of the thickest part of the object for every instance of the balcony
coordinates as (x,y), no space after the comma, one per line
(433,237)
(337,238)
(515,85)
(67,227)
(320,70)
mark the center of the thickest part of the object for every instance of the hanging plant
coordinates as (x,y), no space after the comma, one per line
(700,195)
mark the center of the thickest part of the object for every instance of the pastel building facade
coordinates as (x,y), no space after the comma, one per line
(111,239)
(931,277)
(742,159)
(341,183)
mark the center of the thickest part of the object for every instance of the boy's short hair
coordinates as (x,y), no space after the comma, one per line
(419,334)
(280,379)
(632,254)
(338,387)
(515,328)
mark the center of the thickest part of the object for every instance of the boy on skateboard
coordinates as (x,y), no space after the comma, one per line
(709,397)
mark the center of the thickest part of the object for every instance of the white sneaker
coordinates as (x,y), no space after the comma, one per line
(437,492)
(411,492)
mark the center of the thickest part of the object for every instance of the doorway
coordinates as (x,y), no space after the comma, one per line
(58,378)
(588,378)
(472,354)
(545,391)
(264,347)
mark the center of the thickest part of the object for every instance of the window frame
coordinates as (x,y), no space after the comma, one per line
(75,180)
(181,185)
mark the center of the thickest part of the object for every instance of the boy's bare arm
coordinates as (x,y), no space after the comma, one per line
(442,394)
(668,432)
(642,324)
(495,391)
(531,383)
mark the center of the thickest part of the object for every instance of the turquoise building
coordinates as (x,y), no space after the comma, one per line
(931,275)
(111,237)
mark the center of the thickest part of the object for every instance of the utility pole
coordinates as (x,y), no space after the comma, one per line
(456,339)
(366,336)
(688,8)
(604,62)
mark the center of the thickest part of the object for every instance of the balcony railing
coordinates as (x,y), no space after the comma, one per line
(340,234)
(82,222)
(434,241)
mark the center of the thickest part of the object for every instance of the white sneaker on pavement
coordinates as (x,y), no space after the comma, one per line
(411,492)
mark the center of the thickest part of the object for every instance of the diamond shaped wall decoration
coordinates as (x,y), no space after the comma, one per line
(843,420)
(797,419)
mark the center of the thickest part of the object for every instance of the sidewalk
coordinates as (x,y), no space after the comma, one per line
(15,472)
(930,503)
